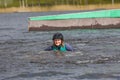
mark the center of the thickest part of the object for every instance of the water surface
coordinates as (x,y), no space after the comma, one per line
(96,55)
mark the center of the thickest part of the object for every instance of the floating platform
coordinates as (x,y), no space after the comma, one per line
(102,19)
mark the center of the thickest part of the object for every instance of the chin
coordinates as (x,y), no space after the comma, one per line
(57,45)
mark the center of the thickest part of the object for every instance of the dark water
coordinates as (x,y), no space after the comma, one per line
(96,55)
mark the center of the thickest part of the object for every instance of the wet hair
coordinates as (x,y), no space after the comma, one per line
(58,36)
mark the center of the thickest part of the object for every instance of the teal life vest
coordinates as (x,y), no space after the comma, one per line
(59,48)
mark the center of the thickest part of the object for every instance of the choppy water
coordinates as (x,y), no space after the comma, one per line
(96,55)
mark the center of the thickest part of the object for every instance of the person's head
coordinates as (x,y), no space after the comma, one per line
(58,39)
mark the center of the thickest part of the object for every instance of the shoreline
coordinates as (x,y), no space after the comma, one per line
(58,8)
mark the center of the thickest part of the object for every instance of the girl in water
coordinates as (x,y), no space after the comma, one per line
(58,44)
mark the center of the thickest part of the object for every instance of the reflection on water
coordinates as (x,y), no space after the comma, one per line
(96,55)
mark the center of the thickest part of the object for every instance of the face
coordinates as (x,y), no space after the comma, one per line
(57,42)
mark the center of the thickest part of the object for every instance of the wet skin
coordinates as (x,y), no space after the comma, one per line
(57,42)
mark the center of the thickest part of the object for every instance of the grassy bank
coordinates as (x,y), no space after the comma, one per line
(59,8)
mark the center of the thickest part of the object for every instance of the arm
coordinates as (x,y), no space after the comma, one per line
(68,47)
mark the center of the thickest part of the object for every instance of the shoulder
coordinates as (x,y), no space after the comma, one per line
(68,47)
(49,48)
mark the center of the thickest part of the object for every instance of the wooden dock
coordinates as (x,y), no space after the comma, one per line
(102,19)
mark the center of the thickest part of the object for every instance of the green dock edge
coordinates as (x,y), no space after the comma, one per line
(115,13)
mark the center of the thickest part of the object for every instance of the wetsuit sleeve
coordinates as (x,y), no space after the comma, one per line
(48,48)
(68,47)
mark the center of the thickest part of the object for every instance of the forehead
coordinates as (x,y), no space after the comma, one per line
(57,39)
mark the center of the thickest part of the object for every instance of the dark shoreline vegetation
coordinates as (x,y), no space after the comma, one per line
(50,3)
